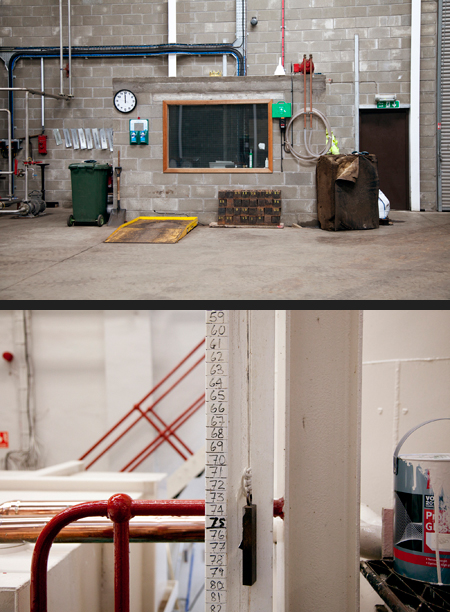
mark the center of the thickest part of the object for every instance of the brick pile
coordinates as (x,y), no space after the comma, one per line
(242,207)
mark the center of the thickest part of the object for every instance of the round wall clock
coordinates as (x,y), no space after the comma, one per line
(125,101)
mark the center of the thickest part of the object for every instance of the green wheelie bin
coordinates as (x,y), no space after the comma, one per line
(89,192)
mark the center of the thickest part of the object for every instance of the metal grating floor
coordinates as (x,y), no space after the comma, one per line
(404,594)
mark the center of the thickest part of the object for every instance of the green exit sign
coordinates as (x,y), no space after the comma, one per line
(393,104)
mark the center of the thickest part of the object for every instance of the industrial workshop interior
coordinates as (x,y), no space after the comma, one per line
(224,460)
(307,137)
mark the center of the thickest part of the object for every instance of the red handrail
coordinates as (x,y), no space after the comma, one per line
(167,432)
(120,508)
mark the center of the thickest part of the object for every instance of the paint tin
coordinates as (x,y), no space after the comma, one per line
(422,514)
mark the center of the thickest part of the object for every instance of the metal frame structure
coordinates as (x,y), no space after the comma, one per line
(11,200)
(165,431)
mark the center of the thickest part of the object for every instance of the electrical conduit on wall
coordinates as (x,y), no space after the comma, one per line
(237,49)
(122,51)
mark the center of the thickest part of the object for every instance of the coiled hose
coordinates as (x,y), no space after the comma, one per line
(288,147)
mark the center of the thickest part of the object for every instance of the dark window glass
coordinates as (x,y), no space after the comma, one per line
(218,136)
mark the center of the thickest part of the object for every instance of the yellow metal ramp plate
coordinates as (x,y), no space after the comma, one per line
(166,230)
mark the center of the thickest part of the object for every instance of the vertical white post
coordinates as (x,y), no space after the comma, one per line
(69,27)
(414,111)
(356,92)
(250,443)
(27,143)
(42,97)
(172,35)
(61,86)
(323,460)
(279,457)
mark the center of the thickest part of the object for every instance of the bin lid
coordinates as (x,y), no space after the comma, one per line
(89,166)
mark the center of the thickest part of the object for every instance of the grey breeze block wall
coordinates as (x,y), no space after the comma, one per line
(146,188)
(325,28)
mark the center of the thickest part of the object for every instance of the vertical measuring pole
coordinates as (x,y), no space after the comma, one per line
(217,352)
(240,435)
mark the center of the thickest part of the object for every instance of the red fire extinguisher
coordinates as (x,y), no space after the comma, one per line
(42,144)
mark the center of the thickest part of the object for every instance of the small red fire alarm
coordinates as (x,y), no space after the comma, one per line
(4,439)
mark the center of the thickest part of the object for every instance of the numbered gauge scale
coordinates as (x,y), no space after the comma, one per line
(217,337)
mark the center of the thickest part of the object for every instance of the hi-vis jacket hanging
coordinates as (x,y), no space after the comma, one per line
(334,150)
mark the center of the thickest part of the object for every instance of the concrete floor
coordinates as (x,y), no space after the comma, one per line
(44,259)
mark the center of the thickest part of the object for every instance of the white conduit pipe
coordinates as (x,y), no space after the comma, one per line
(69,26)
(61,87)
(310,157)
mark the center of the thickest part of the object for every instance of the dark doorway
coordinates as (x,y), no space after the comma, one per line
(384,132)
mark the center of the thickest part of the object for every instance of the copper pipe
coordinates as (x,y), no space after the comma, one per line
(304,86)
(152,529)
(35,508)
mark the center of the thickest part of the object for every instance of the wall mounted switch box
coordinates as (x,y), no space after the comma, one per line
(138,131)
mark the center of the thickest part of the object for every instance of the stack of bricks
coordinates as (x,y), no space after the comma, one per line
(249,207)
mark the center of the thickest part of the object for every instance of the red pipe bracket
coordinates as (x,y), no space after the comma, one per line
(119,508)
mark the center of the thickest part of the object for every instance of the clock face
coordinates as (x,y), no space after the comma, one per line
(125,101)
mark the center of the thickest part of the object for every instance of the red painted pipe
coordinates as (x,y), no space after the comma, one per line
(278,507)
(38,585)
(156,443)
(119,511)
(146,411)
(139,403)
(169,507)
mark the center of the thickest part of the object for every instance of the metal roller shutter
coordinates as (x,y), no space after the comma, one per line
(444,107)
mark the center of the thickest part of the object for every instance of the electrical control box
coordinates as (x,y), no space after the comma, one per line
(138,131)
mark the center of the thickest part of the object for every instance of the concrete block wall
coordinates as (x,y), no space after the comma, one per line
(322,27)
(146,188)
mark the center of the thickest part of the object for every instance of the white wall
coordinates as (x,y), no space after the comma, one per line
(406,380)
(8,385)
(90,368)
(174,335)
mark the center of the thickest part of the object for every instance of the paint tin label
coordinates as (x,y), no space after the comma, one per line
(422,544)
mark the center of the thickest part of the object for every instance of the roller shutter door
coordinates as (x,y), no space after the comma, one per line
(445,106)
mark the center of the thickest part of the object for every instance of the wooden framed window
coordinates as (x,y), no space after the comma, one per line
(217,136)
